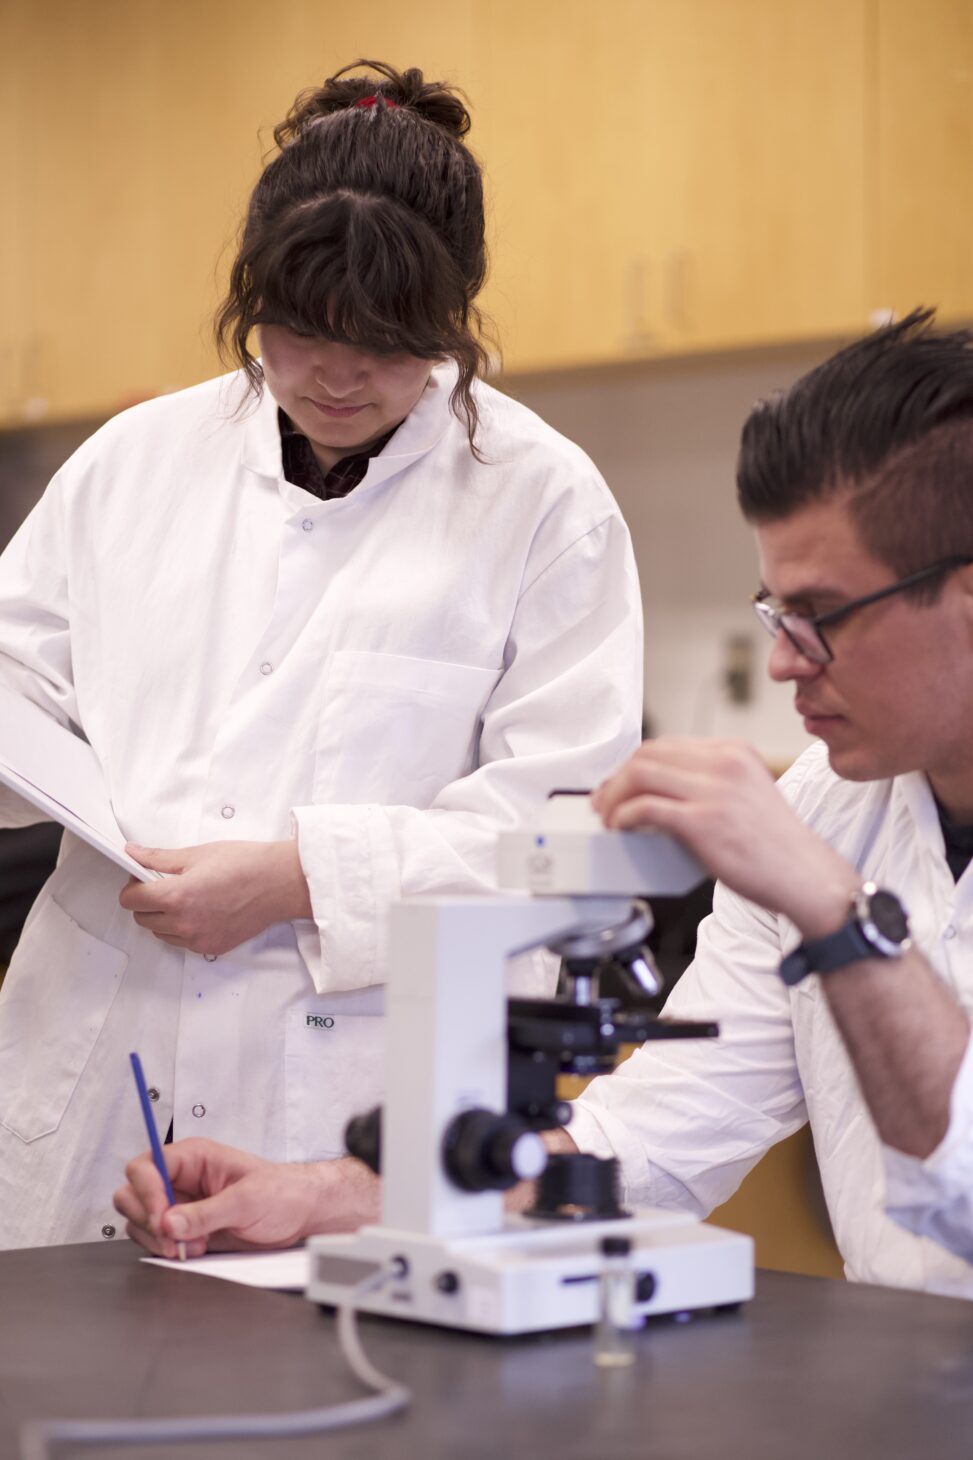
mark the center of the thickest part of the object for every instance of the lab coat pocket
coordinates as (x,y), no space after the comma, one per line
(53,1006)
(396,730)
(334,1069)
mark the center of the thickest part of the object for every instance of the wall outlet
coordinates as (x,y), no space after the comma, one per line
(738,668)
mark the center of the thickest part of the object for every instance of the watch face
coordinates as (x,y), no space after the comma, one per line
(883,921)
(888,916)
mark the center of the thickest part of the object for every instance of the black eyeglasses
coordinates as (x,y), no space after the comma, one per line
(804,630)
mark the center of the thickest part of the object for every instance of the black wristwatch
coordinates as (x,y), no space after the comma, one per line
(878,928)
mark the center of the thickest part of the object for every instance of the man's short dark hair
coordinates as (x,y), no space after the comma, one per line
(887,424)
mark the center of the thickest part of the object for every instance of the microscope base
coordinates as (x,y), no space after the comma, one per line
(533,1276)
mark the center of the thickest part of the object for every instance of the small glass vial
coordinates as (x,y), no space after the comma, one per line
(617,1318)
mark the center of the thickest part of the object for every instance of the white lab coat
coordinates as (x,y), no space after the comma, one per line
(688,1121)
(391,677)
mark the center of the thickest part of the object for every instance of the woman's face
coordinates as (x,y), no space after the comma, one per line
(340,397)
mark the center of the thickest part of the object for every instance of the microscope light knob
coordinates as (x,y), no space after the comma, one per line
(528,1156)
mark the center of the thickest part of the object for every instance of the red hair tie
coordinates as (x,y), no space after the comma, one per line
(373,101)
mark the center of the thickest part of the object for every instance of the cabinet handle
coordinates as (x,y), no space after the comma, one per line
(10,372)
(679,288)
(638,336)
(34,405)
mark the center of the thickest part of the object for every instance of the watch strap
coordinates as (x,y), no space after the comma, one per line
(823,955)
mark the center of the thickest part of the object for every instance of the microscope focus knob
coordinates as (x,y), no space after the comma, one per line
(483,1151)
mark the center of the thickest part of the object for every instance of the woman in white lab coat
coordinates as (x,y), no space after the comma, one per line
(329,622)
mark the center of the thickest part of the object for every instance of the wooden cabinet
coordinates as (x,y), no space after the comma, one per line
(552,128)
(665,176)
(921,180)
(133,135)
(753,222)
(235,69)
(114,223)
(84,207)
(673,175)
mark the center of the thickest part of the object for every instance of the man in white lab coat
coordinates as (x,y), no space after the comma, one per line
(859,482)
(329,623)
(839,958)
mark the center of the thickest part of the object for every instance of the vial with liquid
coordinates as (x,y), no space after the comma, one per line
(618,1320)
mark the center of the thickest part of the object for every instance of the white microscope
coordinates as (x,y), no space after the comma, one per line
(471,1080)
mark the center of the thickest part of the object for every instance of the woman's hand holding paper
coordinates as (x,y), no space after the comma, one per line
(218,895)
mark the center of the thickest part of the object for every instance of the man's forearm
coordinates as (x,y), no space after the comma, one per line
(906,1037)
(343,1194)
(903,1030)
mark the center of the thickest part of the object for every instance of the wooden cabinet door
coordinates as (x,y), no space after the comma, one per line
(138,124)
(554,112)
(81,206)
(921,195)
(756,113)
(673,175)
(135,133)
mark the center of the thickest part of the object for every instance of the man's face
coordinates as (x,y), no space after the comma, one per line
(898,695)
(340,397)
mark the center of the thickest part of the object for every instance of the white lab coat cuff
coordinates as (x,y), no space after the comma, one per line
(349,859)
(934,1198)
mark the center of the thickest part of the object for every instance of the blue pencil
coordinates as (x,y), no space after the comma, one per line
(154,1142)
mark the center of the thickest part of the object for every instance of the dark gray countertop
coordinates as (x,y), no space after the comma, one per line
(811,1370)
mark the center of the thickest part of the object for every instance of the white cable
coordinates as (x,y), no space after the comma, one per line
(38,1438)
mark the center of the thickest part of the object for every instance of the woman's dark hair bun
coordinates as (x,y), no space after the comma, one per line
(433,101)
(367,228)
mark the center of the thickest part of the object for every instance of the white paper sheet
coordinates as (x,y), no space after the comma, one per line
(287,1270)
(59,774)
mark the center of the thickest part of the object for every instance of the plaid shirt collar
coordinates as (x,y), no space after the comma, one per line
(302,468)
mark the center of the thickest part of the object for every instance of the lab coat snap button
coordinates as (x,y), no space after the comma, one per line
(949,932)
(210,957)
(307,524)
(228,813)
(108,1230)
(266,668)
(153,1093)
(199,1110)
